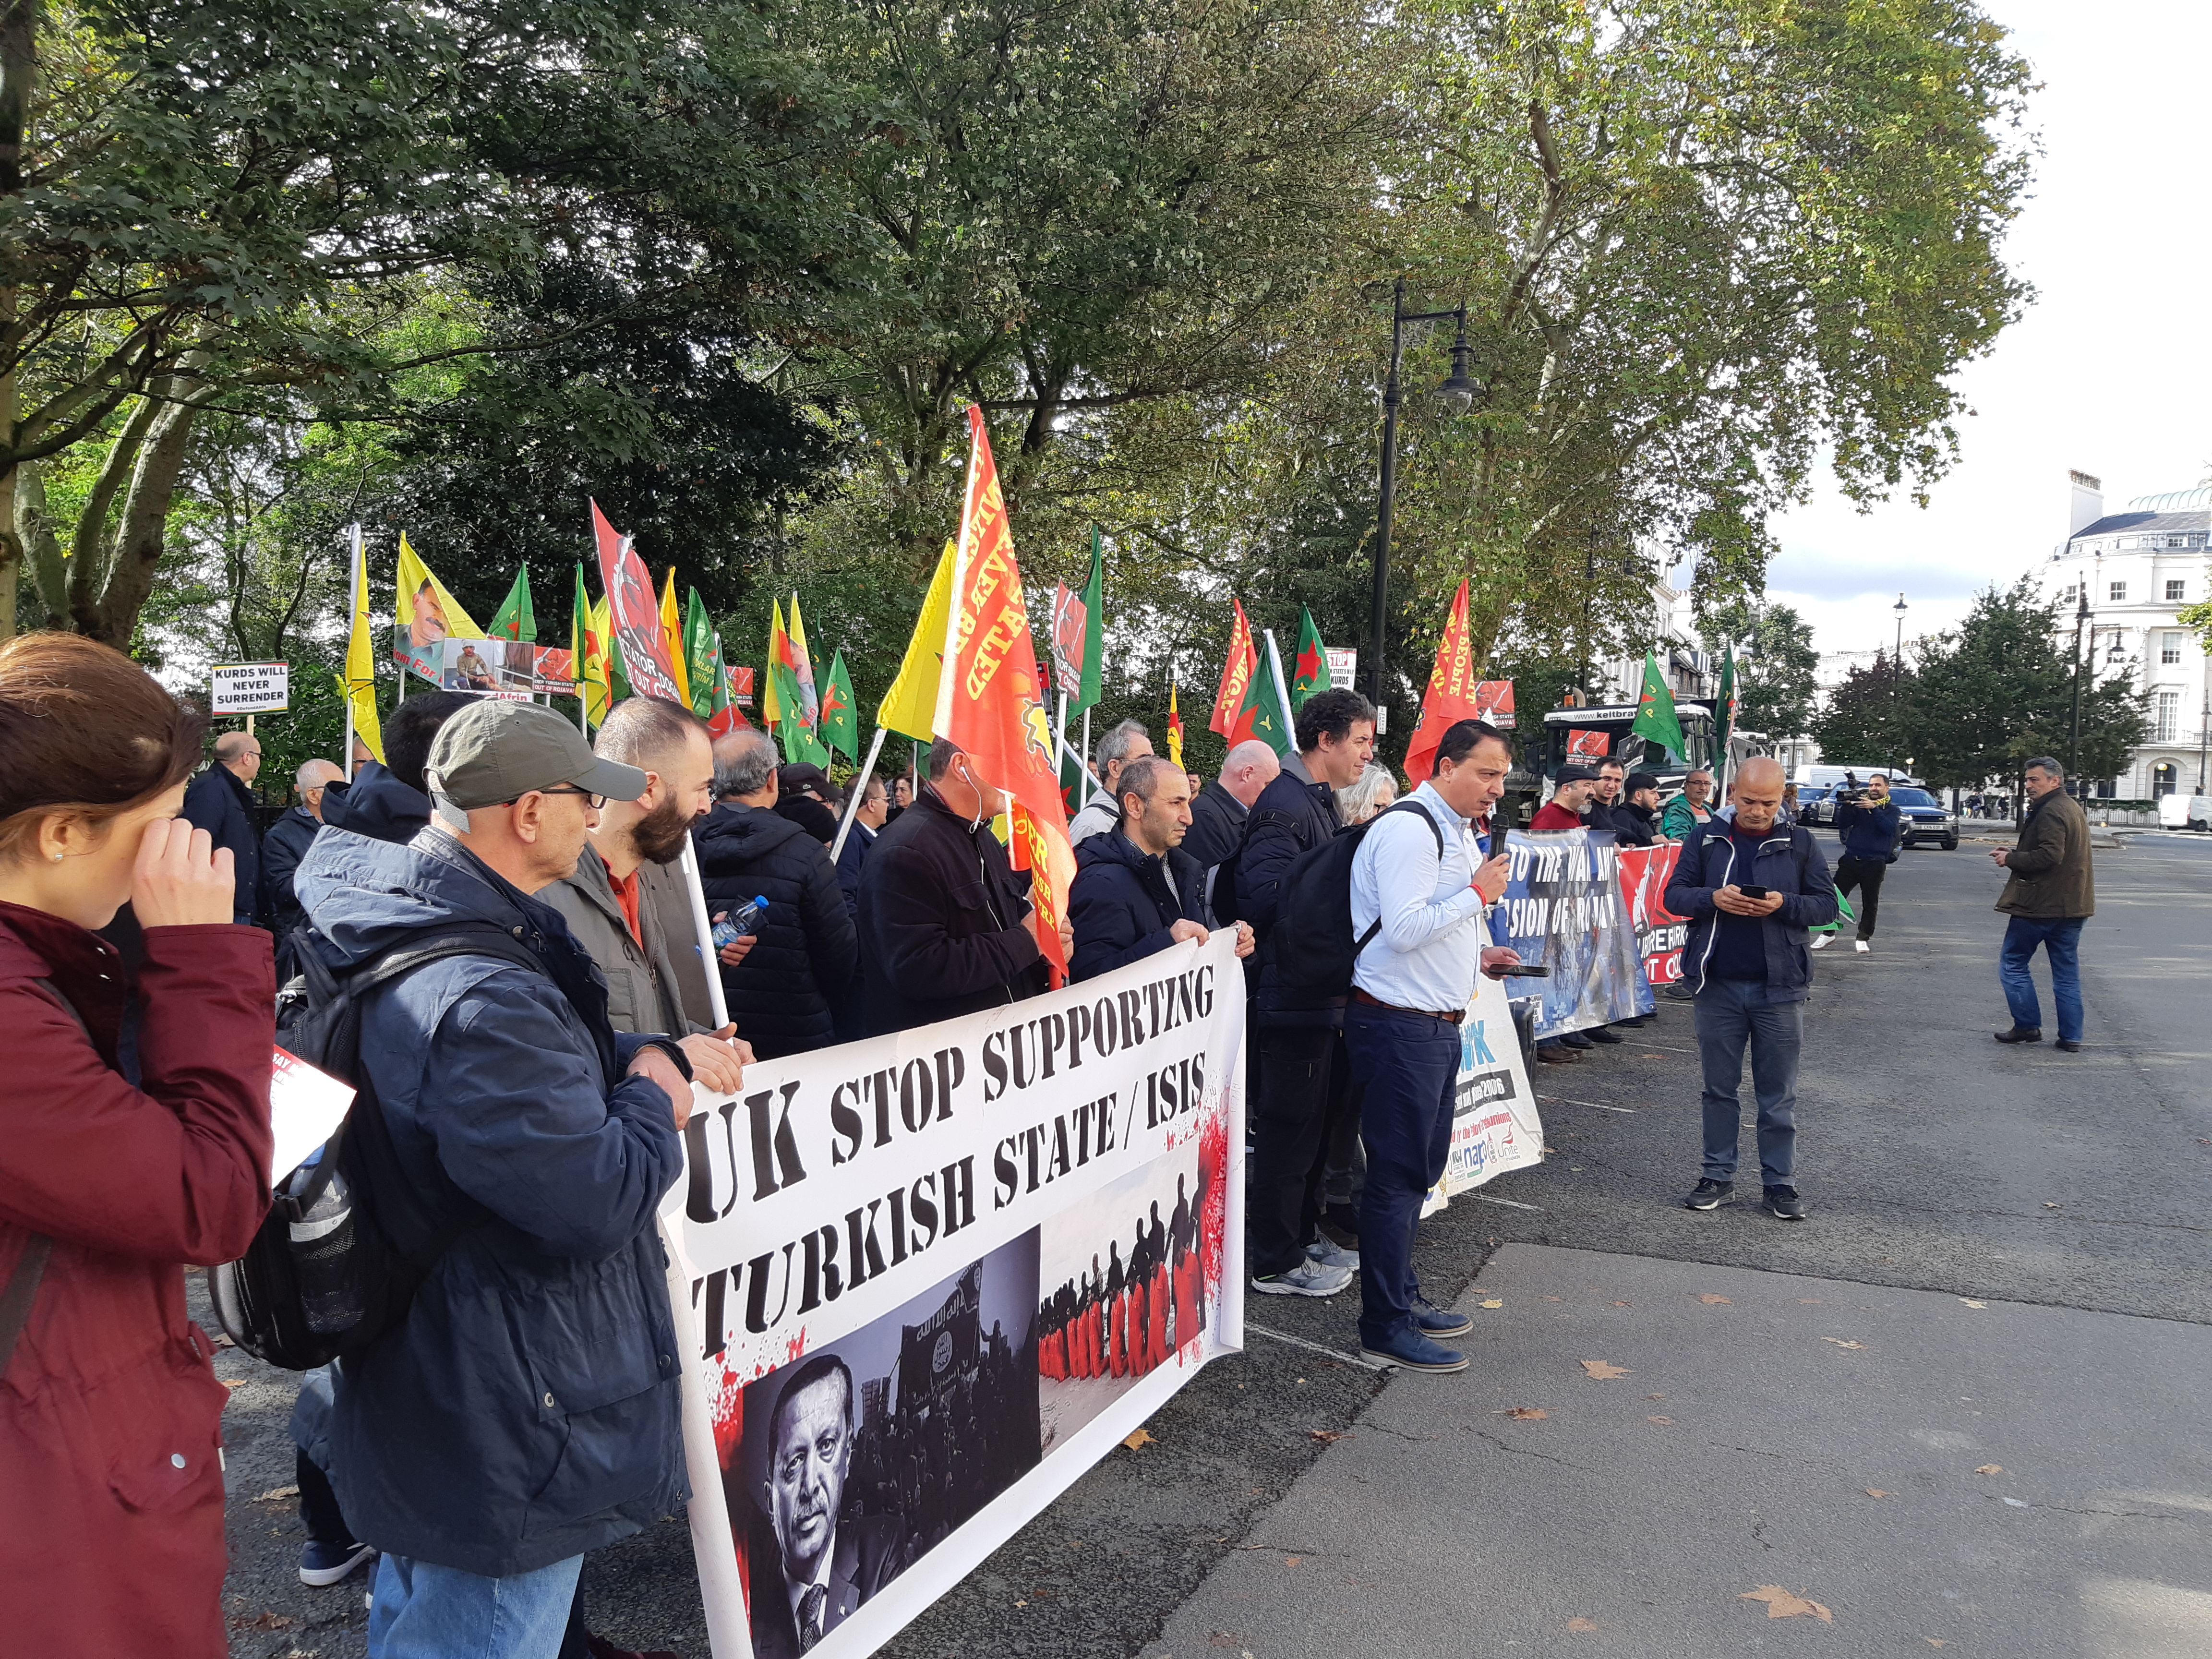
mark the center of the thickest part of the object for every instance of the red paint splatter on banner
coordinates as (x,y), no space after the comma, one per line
(1213,1202)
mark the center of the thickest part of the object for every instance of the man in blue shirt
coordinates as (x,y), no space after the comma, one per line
(1419,908)
(1868,827)
(1750,887)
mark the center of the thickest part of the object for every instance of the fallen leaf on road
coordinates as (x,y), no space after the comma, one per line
(2047,1204)
(265,1621)
(1601,1370)
(1933,1641)
(1660,1419)
(234,1381)
(1582,1624)
(1991,1469)
(1970,1302)
(276,1494)
(1135,1438)
(1224,1639)
(1654,1396)
(1292,1560)
(1624,1305)
(1709,1299)
(1528,1413)
(1810,1301)
(1877,1492)
(1551,1298)
(1494,1302)
(1324,1435)
(1840,1343)
(1785,1604)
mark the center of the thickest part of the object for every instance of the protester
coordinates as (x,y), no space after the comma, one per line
(527,1409)
(805,797)
(1607,797)
(2051,894)
(1868,827)
(1304,1078)
(1790,805)
(1136,891)
(902,798)
(389,802)
(1689,809)
(1375,790)
(1575,790)
(1411,985)
(1640,806)
(785,993)
(1122,744)
(1218,813)
(945,919)
(1344,1165)
(1195,781)
(1746,961)
(869,818)
(112,1526)
(219,802)
(285,845)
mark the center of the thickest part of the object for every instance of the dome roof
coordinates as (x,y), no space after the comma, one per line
(2174,501)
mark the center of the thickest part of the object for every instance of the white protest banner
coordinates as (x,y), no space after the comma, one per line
(1343,665)
(250,688)
(1494,1122)
(935,1276)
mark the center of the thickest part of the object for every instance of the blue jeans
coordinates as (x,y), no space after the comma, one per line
(2061,938)
(1732,1013)
(1407,1064)
(425,1611)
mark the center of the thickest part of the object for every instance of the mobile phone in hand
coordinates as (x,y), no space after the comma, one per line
(1753,892)
(1523,970)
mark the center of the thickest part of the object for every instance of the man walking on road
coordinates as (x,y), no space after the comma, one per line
(1869,826)
(1751,888)
(1417,898)
(2050,895)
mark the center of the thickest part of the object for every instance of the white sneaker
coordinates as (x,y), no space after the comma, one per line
(1863,948)
(1327,1251)
(1309,1278)
(1822,941)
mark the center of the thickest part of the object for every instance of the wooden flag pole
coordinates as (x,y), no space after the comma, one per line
(859,787)
(689,862)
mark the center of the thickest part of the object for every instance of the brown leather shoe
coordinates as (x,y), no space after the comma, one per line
(2021,1034)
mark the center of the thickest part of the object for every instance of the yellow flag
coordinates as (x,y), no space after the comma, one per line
(672,628)
(778,648)
(361,670)
(418,587)
(910,706)
(595,666)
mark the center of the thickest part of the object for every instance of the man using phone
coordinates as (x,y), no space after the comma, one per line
(1751,888)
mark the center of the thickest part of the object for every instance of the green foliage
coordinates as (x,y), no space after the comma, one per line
(1871,718)
(1775,684)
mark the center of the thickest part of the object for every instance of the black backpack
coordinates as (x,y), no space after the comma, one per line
(1311,943)
(329,1273)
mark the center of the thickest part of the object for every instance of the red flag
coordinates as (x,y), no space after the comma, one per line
(633,615)
(1450,697)
(990,698)
(1236,674)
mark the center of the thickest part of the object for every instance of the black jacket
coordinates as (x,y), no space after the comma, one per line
(1124,902)
(376,804)
(784,996)
(809,814)
(941,926)
(282,850)
(1293,815)
(1869,834)
(1789,862)
(218,802)
(1631,825)
(1217,833)
(851,862)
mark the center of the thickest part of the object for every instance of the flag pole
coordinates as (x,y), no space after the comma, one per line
(353,596)
(1275,666)
(1084,759)
(860,789)
(689,861)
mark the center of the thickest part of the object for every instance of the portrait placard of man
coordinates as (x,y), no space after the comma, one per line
(811,1565)
(429,626)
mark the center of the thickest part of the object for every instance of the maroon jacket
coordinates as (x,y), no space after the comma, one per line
(111,1531)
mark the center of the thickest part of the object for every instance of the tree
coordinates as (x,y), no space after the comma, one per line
(1871,718)
(1775,665)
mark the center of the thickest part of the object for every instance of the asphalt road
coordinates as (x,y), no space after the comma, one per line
(1932,1160)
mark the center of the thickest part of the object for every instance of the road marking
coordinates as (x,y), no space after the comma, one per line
(1563,1101)
(1647,1043)
(1507,1202)
(1315,1348)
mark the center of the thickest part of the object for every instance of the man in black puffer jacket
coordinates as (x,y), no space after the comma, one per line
(1136,891)
(784,991)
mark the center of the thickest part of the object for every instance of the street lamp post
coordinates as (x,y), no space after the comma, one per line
(1457,391)
(1896,679)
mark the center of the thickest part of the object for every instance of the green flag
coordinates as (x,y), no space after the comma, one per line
(699,642)
(1094,632)
(1264,715)
(1655,710)
(839,724)
(1310,673)
(515,620)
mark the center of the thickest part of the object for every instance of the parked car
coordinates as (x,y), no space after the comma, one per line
(1921,817)
(1817,805)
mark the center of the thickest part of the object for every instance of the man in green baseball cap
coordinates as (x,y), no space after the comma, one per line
(520,788)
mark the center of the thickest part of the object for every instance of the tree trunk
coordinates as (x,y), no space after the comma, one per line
(19,63)
(140,537)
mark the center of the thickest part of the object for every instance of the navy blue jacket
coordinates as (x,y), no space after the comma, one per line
(527,1409)
(851,862)
(1124,902)
(1293,815)
(1869,833)
(1789,862)
(786,994)
(218,802)
(377,804)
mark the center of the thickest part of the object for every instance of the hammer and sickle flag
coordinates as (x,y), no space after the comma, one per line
(990,698)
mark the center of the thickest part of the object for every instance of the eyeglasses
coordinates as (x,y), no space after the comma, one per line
(595,802)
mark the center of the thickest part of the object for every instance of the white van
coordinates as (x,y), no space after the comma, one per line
(1821,777)
(2184,811)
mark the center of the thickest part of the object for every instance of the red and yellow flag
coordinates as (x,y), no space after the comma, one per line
(990,698)
(1450,697)
(1175,728)
(1236,674)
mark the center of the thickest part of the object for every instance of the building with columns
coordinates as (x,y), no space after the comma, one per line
(2139,568)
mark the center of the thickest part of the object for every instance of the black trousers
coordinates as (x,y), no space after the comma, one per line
(319,1504)
(1304,1092)
(1865,875)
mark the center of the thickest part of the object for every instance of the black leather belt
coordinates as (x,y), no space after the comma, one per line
(1452,1018)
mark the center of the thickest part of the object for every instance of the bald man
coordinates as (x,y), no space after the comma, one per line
(1751,888)
(219,802)
(1218,811)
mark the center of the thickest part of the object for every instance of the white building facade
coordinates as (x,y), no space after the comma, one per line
(2140,568)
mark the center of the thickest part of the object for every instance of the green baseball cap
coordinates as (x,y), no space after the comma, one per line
(496,751)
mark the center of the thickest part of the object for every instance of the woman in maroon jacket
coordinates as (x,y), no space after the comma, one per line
(110,1526)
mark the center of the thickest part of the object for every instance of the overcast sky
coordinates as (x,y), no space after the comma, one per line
(2110,369)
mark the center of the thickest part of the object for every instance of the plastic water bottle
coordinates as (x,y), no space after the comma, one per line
(322,1250)
(746,918)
